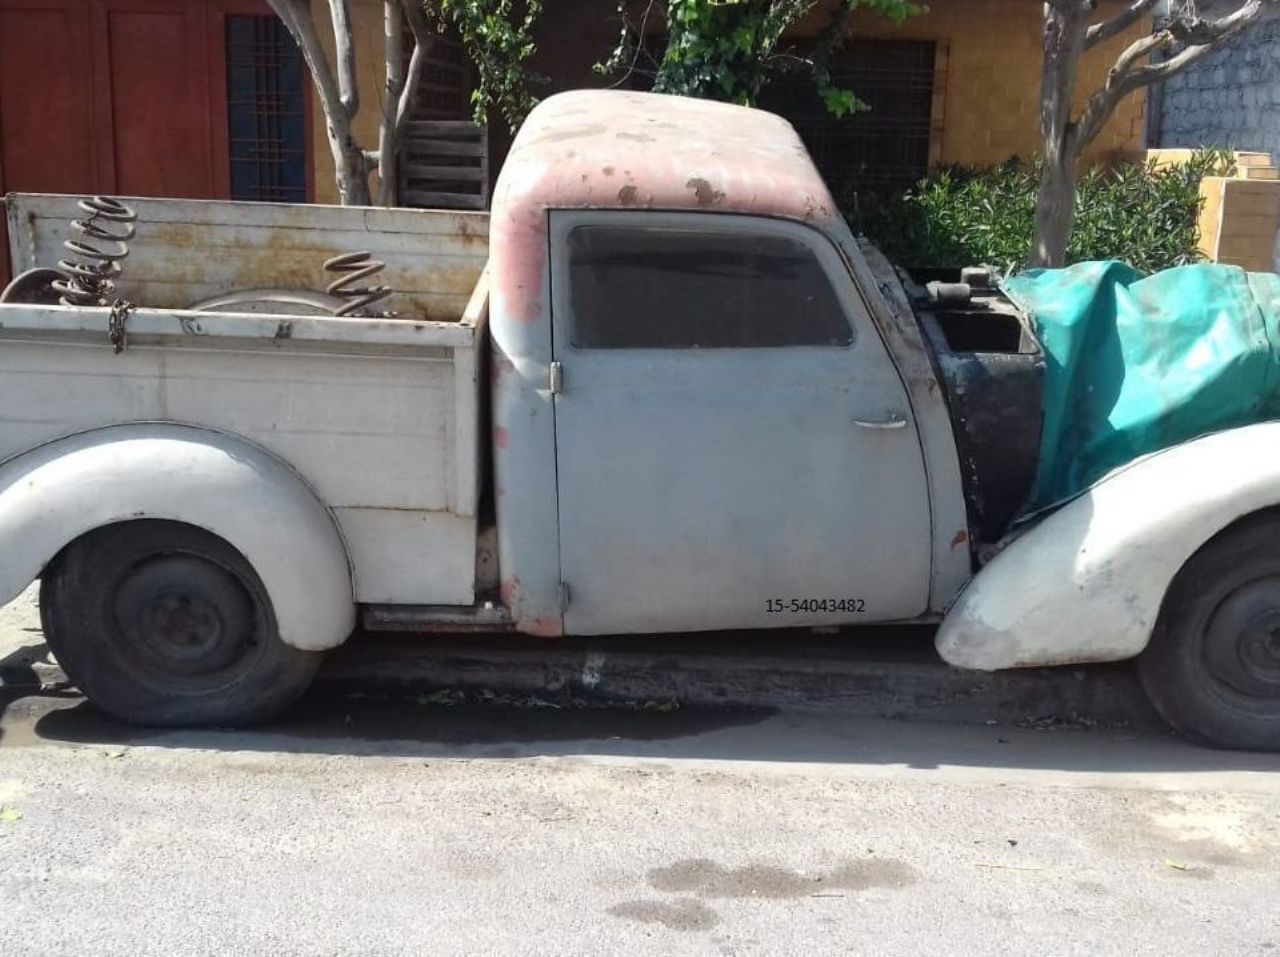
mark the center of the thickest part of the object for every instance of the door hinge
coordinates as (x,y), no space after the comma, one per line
(564,595)
(556,378)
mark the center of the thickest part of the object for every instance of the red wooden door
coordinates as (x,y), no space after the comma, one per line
(152,97)
(46,126)
(113,96)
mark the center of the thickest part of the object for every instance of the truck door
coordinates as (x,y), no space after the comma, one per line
(734,447)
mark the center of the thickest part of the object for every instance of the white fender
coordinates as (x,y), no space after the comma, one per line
(52,494)
(1086,583)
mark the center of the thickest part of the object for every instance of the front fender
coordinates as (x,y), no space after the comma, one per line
(1087,582)
(55,493)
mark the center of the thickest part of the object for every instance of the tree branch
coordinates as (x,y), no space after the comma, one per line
(1104,31)
(1131,73)
(349,165)
(393,54)
(345,49)
(296,17)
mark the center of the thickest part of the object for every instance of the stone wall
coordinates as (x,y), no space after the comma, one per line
(1231,99)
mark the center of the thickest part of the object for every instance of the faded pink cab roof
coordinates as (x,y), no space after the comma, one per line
(616,149)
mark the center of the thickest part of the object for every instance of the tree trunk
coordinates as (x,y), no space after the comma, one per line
(351,170)
(388,140)
(1064,39)
(1055,211)
(338,98)
(350,164)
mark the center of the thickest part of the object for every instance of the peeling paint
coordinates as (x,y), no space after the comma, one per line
(705,193)
(1086,583)
(543,628)
(510,591)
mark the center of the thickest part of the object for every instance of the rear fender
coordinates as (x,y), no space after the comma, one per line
(1087,582)
(57,492)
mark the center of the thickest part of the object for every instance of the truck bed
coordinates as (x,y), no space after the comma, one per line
(378,415)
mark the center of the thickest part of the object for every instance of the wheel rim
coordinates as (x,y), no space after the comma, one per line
(1242,640)
(185,619)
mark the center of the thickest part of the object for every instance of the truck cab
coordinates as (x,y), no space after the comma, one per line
(706,415)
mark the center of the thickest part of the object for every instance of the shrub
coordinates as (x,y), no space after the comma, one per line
(1145,216)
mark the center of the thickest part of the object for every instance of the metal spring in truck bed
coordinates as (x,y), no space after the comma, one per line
(353,269)
(89,273)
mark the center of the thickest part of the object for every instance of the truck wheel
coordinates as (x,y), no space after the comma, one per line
(161,623)
(1212,668)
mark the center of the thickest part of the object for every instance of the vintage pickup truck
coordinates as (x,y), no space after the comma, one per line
(660,387)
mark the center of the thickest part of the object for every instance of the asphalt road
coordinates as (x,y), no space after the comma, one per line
(397,822)
(371,825)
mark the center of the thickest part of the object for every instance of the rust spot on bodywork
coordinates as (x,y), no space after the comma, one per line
(501,366)
(501,437)
(545,628)
(704,192)
(627,195)
(960,538)
(510,590)
(471,236)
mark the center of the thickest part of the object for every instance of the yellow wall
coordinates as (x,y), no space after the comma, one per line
(990,78)
(987,104)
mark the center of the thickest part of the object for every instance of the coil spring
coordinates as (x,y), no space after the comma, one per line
(353,269)
(89,273)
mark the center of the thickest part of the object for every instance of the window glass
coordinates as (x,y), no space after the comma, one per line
(670,288)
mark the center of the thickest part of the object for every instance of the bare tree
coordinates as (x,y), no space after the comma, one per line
(337,88)
(1183,37)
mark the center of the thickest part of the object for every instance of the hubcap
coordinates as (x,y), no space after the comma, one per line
(1242,639)
(183,615)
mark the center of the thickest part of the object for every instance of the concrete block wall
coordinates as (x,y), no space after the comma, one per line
(1231,99)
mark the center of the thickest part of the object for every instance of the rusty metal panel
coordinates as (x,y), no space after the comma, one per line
(186,251)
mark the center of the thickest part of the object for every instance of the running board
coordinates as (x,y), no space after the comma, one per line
(488,618)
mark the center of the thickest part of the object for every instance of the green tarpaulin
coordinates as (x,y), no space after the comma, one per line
(1135,364)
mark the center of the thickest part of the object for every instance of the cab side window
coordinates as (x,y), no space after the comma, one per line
(665,287)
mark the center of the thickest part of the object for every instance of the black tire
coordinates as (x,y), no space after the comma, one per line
(161,623)
(1212,668)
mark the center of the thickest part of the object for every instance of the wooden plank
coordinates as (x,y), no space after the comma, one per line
(415,171)
(187,250)
(443,128)
(441,148)
(433,200)
(277,216)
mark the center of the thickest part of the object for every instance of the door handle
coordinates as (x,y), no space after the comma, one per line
(896,420)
